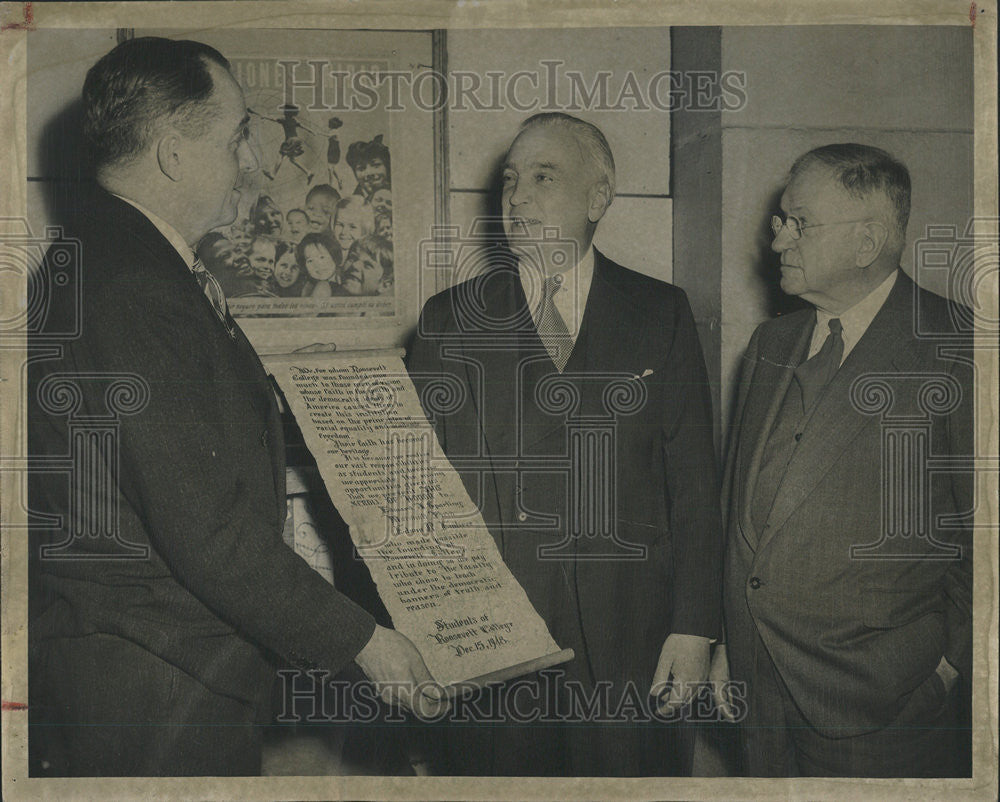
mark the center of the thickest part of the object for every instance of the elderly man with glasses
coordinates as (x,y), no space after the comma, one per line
(848,567)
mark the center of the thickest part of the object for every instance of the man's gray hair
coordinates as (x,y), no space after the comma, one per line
(863,171)
(592,142)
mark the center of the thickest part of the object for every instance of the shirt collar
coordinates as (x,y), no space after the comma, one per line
(172,235)
(855,320)
(571,300)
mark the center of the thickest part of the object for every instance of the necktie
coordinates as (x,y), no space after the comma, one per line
(551,327)
(815,373)
(212,289)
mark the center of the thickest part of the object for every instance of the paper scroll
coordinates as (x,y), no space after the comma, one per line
(433,560)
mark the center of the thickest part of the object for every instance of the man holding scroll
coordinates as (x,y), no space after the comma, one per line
(164,591)
(584,434)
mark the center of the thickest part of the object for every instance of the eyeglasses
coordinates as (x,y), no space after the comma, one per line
(795,226)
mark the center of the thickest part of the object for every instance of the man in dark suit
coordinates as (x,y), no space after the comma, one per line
(584,434)
(848,563)
(165,593)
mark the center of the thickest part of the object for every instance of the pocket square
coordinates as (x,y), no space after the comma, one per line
(645,373)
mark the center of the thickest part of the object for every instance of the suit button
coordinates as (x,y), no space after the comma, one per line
(798,436)
(755,582)
(264,438)
(522,517)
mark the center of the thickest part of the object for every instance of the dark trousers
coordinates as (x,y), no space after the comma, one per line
(925,739)
(530,727)
(102,706)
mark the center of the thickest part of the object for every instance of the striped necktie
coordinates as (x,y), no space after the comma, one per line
(213,291)
(551,326)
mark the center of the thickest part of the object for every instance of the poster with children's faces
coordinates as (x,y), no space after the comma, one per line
(314,232)
(345,130)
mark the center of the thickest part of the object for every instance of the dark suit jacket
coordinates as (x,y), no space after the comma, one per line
(198,484)
(656,486)
(853,634)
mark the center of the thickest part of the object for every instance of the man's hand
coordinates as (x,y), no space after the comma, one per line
(718,676)
(400,674)
(684,662)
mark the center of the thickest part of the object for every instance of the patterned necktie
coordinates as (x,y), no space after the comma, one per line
(213,291)
(551,326)
(816,372)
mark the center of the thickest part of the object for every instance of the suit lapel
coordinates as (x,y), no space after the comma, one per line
(610,327)
(773,373)
(275,433)
(884,347)
(168,267)
(610,331)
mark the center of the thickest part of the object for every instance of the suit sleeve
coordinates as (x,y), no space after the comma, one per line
(958,579)
(692,483)
(180,467)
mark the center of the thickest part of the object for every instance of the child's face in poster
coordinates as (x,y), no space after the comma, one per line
(298,224)
(320,210)
(286,270)
(383,226)
(349,227)
(382,201)
(262,258)
(221,255)
(371,175)
(362,274)
(320,265)
(269,219)
(241,238)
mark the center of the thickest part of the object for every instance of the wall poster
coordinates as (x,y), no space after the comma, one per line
(330,224)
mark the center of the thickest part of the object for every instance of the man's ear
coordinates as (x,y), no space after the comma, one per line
(873,238)
(168,155)
(385,287)
(600,200)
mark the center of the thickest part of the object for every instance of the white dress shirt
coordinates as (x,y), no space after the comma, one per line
(570,298)
(855,320)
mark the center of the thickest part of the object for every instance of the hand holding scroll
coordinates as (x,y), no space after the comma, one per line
(400,675)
